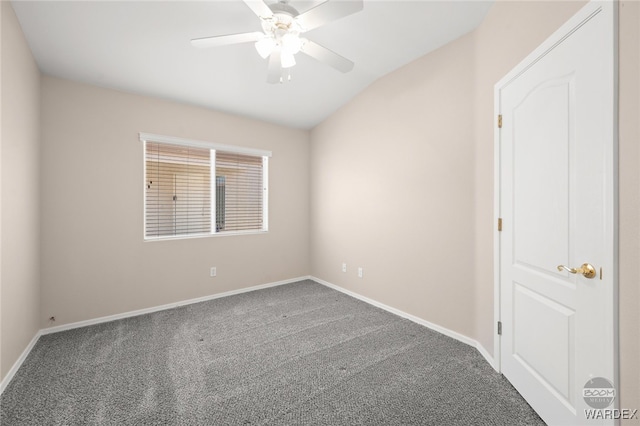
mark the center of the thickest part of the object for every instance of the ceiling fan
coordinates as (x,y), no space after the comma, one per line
(280,42)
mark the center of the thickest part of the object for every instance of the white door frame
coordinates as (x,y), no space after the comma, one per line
(611,184)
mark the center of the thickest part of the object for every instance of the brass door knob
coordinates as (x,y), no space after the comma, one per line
(586,269)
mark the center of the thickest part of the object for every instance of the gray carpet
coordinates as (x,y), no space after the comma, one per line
(297,354)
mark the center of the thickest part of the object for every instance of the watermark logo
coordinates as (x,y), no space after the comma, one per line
(598,393)
(611,414)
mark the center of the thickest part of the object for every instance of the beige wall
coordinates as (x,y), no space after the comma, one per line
(1,19)
(630,205)
(95,262)
(20,277)
(402,180)
(392,190)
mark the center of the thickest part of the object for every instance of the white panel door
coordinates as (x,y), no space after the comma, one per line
(556,200)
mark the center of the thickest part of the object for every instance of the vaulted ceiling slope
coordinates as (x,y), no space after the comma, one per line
(144,47)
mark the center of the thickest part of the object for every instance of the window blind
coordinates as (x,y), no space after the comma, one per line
(239,192)
(197,190)
(178,194)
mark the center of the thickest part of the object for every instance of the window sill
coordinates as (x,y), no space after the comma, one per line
(218,234)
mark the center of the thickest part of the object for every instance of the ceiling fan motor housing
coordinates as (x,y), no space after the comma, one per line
(283,8)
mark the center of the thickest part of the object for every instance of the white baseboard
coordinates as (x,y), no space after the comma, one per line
(453,334)
(135,313)
(16,365)
(490,359)
(7,379)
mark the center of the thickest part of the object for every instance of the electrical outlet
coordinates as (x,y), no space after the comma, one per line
(212,272)
(344,267)
(360,272)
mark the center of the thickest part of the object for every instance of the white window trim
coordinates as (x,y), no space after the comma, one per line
(150,137)
(265,194)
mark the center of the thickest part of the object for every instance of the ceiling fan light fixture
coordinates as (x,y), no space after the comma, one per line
(265,46)
(280,40)
(287,59)
(291,43)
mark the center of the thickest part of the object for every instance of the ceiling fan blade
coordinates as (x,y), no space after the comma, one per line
(226,39)
(327,56)
(327,12)
(275,67)
(260,8)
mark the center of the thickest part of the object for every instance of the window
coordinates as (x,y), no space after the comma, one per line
(194,188)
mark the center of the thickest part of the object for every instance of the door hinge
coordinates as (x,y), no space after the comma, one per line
(499,224)
(499,327)
(499,121)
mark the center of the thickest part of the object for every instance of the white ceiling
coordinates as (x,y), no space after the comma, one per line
(144,47)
